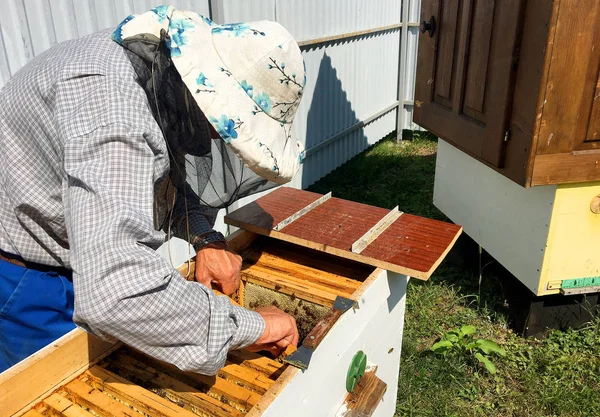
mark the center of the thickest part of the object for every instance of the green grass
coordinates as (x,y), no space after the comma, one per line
(557,376)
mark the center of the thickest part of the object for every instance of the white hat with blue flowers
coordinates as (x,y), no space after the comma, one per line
(247,78)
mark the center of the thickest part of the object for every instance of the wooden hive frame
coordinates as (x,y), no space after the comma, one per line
(80,375)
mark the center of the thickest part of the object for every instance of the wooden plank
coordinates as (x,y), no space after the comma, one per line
(272,369)
(273,211)
(566,168)
(448,27)
(317,260)
(33,413)
(411,246)
(507,22)
(337,223)
(247,377)
(461,53)
(479,48)
(356,295)
(426,61)
(146,401)
(63,407)
(412,241)
(593,132)
(47,369)
(529,94)
(89,397)
(374,232)
(202,391)
(286,377)
(366,397)
(572,78)
(334,283)
(288,286)
(174,387)
(302,212)
(284,266)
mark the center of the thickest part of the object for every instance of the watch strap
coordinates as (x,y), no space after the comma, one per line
(212,237)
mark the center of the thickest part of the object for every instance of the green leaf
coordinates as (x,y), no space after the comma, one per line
(452,336)
(468,330)
(486,362)
(442,346)
(471,346)
(489,346)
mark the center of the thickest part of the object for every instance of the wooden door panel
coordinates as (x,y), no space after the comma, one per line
(464,73)
(477,65)
(504,50)
(445,63)
(571,110)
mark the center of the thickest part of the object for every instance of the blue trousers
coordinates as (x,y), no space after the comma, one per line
(36,308)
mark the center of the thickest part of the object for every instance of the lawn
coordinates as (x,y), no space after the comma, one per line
(556,376)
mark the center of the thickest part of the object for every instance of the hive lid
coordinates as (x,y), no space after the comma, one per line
(408,244)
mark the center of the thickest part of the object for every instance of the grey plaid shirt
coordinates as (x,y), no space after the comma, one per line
(81,161)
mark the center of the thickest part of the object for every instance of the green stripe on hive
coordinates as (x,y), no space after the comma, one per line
(581,282)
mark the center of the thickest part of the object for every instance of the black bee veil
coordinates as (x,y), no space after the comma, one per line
(205,170)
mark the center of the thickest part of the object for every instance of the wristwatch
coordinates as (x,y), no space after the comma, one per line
(211,237)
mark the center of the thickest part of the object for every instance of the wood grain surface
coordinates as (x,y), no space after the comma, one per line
(366,397)
(411,245)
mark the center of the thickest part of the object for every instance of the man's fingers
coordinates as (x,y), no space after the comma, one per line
(276,351)
(230,286)
(273,348)
(204,280)
(295,335)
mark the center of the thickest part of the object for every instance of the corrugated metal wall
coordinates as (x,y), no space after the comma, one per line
(29,27)
(354,84)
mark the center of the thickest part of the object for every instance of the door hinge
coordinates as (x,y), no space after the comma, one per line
(507,135)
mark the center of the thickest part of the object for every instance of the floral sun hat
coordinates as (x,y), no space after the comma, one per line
(247,78)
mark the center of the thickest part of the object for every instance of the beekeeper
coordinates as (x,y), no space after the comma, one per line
(113,143)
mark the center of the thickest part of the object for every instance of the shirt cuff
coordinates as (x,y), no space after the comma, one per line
(251,326)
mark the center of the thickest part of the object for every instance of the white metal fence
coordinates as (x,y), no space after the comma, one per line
(360,59)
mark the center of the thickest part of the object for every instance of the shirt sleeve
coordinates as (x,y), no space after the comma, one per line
(123,289)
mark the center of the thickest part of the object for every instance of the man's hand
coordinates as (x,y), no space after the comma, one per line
(216,264)
(280,331)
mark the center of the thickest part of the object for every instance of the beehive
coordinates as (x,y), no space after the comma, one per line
(80,375)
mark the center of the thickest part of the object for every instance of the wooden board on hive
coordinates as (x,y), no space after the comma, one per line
(411,245)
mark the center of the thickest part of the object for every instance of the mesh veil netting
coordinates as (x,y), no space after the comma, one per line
(207,169)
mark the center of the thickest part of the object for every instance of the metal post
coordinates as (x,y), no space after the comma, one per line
(217,11)
(402,69)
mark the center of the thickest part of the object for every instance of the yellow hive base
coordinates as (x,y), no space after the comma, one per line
(573,246)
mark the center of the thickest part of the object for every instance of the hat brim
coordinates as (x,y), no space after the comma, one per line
(265,145)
